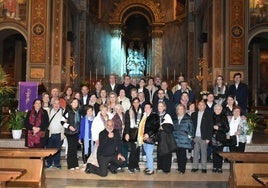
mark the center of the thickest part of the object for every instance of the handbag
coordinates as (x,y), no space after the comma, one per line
(133,134)
(93,157)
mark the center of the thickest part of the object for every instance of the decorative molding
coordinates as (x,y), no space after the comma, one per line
(116,33)
(57,26)
(152,7)
(236,31)
(38,32)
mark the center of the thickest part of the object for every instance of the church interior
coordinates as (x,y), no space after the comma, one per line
(61,43)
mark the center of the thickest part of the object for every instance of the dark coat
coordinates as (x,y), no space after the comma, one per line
(166,141)
(151,128)
(184,132)
(241,94)
(206,125)
(177,96)
(109,89)
(219,136)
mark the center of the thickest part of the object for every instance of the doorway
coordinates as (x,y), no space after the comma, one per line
(13,50)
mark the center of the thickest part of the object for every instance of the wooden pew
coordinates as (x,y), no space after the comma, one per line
(32,160)
(9,174)
(244,165)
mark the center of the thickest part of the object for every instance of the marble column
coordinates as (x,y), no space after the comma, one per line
(116,63)
(157,53)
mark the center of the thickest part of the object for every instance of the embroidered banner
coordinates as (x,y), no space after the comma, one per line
(28,92)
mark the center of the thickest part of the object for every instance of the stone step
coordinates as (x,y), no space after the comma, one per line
(142,163)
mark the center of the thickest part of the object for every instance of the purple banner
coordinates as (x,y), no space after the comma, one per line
(28,92)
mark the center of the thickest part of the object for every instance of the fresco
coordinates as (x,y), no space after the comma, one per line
(258,10)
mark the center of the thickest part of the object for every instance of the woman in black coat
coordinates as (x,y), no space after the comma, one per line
(164,151)
(220,128)
(183,134)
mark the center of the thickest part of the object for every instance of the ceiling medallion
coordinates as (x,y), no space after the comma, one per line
(237,31)
(38,29)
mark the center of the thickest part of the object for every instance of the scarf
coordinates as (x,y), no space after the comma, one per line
(88,122)
(141,130)
(135,117)
(35,117)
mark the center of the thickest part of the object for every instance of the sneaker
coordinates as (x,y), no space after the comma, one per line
(58,167)
(72,169)
(149,172)
(137,169)
(146,170)
(77,168)
(48,166)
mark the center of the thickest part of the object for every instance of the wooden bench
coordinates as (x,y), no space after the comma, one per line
(244,165)
(262,178)
(9,174)
(32,160)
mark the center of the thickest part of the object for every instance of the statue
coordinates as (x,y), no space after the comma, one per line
(136,62)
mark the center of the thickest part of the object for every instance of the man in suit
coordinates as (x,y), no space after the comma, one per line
(112,86)
(127,86)
(178,93)
(85,97)
(203,127)
(240,91)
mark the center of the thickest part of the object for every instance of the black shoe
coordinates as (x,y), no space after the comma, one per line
(137,169)
(181,172)
(113,171)
(149,172)
(219,170)
(204,170)
(214,170)
(194,170)
(131,171)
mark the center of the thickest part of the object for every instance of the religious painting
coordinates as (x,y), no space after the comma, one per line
(231,75)
(13,10)
(28,92)
(37,73)
(258,10)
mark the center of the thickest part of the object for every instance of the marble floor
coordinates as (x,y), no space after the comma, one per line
(71,179)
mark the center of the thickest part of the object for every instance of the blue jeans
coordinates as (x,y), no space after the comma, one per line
(54,141)
(149,148)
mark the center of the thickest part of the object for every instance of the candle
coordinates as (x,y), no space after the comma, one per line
(104,72)
(154,70)
(174,75)
(96,74)
(167,73)
(90,76)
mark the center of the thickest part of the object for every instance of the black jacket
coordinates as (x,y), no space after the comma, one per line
(206,125)
(152,125)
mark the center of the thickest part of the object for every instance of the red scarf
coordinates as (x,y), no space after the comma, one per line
(35,118)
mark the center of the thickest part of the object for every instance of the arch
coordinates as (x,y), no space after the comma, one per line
(257,30)
(149,9)
(16,27)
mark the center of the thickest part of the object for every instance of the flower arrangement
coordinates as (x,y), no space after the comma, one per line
(252,119)
(204,92)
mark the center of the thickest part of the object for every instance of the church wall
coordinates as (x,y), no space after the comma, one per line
(99,43)
(174,49)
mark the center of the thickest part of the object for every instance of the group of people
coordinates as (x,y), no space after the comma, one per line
(116,122)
